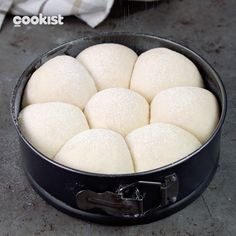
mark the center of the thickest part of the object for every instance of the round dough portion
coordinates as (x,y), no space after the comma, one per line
(47,126)
(118,109)
(159,144)
(161,68)
(98,151)
(194,109)
(110,64)
(61,79)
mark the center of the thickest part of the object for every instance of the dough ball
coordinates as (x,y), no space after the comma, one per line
(161,68)
(61,79)
(159,144)
(110,64)
(193,109)
(47,126)
(97,150)
(118,109)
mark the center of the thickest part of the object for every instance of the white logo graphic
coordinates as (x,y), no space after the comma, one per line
(38,20)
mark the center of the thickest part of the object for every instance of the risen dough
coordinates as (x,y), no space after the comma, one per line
(110,64)
(47,126)
(193,109)
(97,150)
(118,109)
(159,144)
(162,68)
(61,79)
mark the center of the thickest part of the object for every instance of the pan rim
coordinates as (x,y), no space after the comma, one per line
(129,34)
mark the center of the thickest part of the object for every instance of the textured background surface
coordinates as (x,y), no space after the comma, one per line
(207,27)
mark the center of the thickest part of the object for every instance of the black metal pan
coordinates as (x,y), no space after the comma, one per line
(127,198)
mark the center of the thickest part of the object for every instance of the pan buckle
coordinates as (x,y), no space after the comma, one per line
(129,199)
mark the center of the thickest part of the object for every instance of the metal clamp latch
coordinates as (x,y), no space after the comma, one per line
(129,200)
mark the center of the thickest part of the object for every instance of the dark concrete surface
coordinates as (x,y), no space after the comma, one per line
(208,27)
